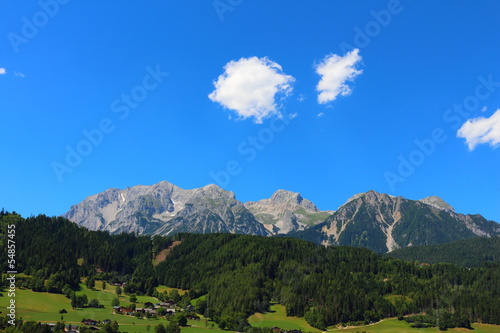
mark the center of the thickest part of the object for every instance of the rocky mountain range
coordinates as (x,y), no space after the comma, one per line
(378,221)
(163,209)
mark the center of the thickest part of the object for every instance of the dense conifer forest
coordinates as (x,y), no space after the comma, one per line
(243,274)
(474,252)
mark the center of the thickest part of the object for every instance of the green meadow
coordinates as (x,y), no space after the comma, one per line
(397,326)
(44,307)
(277,317)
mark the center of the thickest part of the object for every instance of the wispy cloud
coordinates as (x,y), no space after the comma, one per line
(252,87)
(335,72)
(2,71)
(481,130)
(19,74)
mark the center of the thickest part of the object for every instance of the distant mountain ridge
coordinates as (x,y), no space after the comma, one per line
(374,220)
(384,223)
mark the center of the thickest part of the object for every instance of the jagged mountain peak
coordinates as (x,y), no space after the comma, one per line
(286,211)
(371,196)
(383,223)
(216,191)
(437,202)
(282,196)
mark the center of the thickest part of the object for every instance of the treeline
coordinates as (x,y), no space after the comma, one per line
(243,274)
(472,252)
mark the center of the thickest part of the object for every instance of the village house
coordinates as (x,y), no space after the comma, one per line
(90,322)
(71,329)
(123,310)
(167,304)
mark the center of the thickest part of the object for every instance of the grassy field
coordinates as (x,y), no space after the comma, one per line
(44,307)
(396,326)
(163,288)
(277,317)
(196,300)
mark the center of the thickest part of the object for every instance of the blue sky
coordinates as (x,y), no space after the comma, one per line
(228,92)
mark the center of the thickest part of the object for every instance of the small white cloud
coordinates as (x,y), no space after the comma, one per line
(481,130)
(252,87)
(321,114)
(19,74)
(335,72)
(484,108)
(2,71)
(301,98)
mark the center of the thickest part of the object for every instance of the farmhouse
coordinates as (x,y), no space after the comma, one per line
(167,304)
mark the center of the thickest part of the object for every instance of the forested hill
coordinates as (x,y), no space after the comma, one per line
(242,274)
(472,252)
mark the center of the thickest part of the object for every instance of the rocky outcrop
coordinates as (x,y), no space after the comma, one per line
(286,212)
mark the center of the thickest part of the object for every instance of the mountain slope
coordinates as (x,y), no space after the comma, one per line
(384,223)
(286,212)
(164,209)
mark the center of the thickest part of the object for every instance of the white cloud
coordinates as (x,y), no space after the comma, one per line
(2,71)
(321,114)
(484,108)
(481,130)
(251,87)
(19,74)
(335,72)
